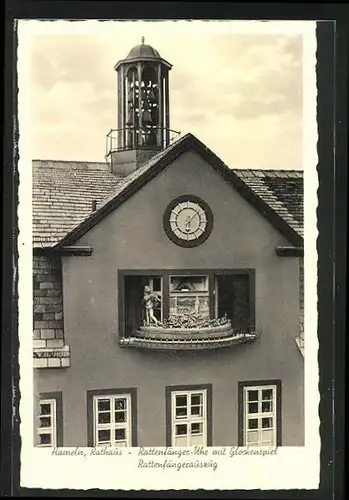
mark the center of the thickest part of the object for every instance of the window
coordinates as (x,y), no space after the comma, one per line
(183,298)
(47,423)
(235,298)
(189,295)
(260,406)
(111,418)
(189,416)
(49,429)
(134,289)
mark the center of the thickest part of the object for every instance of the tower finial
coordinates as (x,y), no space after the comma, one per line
(143,40)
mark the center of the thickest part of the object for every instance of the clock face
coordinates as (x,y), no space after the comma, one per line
(188,221)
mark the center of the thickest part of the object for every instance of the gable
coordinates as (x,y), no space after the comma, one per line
(135,229)
(269,206)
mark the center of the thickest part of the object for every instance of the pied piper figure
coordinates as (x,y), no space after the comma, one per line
(149,303)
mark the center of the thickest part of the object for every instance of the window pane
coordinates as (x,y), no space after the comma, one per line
(103,404)
(240,306)
(188,284)
(120,416)
(252,437)
(267,394)
(120,404)
(181,400)
(156,284)
(253,395)
(196,428)
(196,399)
(45,438)
(267,422)
(181,412)
(196,439)
(45,409)
(267,435)
(45,421)
(104,435)
(180,441)
(267,406)
(253,423)
(120,434)
(253,408)
(104,418)
(196,411)
(181,429)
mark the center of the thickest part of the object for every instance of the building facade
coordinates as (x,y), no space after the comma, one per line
(167,288)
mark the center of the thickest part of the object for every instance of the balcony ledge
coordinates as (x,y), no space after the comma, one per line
(160,338)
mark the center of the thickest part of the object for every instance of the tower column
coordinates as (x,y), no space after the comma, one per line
(167,108)
(143,109)
(139,125)
(160,124)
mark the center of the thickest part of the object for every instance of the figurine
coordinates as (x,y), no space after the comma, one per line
(149,303)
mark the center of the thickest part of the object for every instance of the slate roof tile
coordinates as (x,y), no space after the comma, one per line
(63,193)
(282,190)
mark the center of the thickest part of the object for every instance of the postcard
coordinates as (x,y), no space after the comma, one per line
(167,255)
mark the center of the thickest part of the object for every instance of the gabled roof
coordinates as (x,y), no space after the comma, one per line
(280,189)
(278,195)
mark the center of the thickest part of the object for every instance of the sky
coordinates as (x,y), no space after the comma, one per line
(240,94)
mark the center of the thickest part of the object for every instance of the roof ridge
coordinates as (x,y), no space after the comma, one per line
(291,170)
(70,161)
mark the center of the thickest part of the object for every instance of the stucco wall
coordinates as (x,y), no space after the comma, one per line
(132,237)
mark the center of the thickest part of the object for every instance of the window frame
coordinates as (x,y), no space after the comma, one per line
(93,395)
(54,398)
(171,391)
(166,274)
(243,388)
(179,294)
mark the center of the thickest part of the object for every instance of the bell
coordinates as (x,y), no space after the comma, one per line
(151,95)
(146,116)
(130,118)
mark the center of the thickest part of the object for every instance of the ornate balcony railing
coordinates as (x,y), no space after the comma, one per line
(213,337)
(154,138)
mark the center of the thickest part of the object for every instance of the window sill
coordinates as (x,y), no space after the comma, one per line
(188,338)
(54,354)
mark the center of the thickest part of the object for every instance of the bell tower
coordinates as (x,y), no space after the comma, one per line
(143,109)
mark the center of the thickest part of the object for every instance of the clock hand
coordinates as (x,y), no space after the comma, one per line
(187,223)
(189,219)
(196,212)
